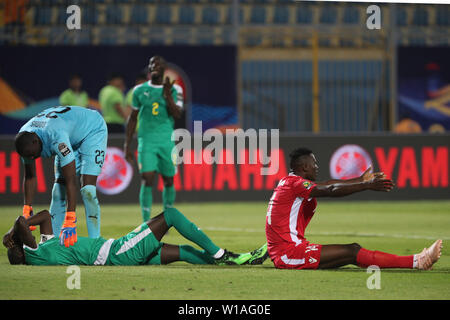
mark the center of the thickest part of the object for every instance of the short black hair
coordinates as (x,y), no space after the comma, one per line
(74,76)
(141,76)
(114,75)
(296,154)
(21,140)
(16,255)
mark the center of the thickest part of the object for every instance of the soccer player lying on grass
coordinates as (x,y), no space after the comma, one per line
(139,247)
(292,206)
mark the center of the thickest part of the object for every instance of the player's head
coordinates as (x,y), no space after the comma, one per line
(156,67)
(16,255)
(304,163)
(28,145)
(140,78)
(116,80)
(75,82)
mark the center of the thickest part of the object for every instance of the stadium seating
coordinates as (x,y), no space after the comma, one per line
(258,15)
(163,14)
(210,15)
(186,15)
(420,17)
(114,14)
(218,14)
(139,15)
(281,15)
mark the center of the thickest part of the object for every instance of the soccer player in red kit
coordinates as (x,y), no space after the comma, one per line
(293,204)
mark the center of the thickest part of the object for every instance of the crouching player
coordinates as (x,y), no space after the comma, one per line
(292,206)
(139,247)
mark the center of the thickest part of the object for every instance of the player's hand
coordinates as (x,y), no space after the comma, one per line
(27,212)
(128,154)
(68,235)
(369,175)
(167,87)
(8,241)
(381,183)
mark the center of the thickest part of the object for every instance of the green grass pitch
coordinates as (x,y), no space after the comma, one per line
(396,227)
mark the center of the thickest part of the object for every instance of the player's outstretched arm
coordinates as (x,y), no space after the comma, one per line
(375,183)
(129,132)
(366,176)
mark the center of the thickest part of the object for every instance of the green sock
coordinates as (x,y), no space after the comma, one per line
(145,200)
(189,230)
(194,256)
(168,196)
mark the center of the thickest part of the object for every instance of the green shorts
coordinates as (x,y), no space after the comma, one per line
(157,158)
(136,248)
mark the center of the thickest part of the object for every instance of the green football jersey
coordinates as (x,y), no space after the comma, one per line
(155,122)
(72,98)
(84,252)
(108,97)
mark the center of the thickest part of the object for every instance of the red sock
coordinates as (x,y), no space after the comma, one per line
(367,258)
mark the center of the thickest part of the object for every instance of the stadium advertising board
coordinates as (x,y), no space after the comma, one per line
(418,165)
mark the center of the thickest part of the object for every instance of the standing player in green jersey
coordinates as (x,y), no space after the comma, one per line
(139,247)
(74,96)
(112,102)
(157,103)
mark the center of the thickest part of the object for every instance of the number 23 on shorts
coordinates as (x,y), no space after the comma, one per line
(155,106)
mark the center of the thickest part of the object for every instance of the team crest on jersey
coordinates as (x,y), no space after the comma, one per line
(62,147)
(307,184)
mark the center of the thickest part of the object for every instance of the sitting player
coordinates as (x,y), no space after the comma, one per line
(293,205)
(139,247)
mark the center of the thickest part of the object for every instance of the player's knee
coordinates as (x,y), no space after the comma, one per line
(58,192)
(89,193)
(147,179)
(168,182)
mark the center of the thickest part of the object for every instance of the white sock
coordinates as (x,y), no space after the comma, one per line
(219,254)
(415,261)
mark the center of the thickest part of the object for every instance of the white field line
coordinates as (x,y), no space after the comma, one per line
(349,234)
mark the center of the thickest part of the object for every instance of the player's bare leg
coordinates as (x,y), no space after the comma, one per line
(338,255)
(335,256)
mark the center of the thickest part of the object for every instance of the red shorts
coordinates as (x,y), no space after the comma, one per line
(304,256)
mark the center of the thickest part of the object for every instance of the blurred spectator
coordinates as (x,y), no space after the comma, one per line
(113,105)
(436,128)
(407,126)
(74,96)
(141,78)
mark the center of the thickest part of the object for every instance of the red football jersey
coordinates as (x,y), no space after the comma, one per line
(289,212)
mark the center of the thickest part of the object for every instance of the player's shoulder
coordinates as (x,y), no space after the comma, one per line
(296,180)
(140,87)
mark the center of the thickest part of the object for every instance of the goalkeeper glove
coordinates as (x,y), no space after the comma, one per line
(68,235)
(27,212)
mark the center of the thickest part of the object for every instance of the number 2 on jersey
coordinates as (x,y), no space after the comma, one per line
(155,106)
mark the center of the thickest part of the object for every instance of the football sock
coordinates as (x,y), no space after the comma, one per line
(367,258)
(92,210)
(194,256)
(58,207)
(189,230)
(145,200)
(168,196)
